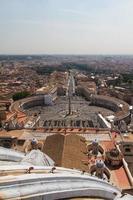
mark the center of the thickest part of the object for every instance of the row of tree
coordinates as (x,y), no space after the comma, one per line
(20,95)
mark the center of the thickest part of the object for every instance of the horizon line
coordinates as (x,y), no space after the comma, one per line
(63,54)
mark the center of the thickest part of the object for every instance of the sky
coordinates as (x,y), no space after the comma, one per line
(66,26)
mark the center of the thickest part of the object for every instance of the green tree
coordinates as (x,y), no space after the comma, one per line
(20,95)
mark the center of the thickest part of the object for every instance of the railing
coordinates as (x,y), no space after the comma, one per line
(55,186)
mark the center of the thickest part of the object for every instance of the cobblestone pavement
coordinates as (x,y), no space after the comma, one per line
(83,114)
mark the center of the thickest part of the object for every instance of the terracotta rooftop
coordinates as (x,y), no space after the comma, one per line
(127,150)
(118,176)
(67,150)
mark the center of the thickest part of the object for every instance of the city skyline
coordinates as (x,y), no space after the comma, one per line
(66,27)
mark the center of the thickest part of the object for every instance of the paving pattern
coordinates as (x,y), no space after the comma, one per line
(83,114)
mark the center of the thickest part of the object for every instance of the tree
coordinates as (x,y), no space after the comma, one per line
(20,95)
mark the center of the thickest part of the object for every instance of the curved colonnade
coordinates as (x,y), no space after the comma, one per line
(29,102)
(119,107)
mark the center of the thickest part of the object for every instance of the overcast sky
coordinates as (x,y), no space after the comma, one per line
(66,26)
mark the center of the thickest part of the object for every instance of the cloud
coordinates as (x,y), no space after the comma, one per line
(22,21)
(29,21)
(74,12)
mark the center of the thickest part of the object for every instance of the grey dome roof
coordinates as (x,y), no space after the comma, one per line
(36,157)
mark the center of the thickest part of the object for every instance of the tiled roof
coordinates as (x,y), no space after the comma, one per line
(67,150)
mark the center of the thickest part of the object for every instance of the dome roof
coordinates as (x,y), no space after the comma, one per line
(37,158)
